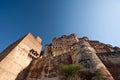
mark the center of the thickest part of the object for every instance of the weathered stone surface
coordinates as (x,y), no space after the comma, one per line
(109,55)
(63,44)
(80,50)
(48,68)
(100,47)
(93,55)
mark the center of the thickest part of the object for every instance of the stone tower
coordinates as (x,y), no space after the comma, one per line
(18,56)
(90,56)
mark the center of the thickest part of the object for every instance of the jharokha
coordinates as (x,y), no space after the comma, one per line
(24,60)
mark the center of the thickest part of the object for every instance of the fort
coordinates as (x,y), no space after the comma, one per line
(23,60)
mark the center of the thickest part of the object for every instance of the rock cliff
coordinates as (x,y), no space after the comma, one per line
(93,55)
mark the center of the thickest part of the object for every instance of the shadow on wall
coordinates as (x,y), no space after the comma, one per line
(112,61)
(9,48)
(23,74)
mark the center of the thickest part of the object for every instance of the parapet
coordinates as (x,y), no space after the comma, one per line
(84,38)
(38,39)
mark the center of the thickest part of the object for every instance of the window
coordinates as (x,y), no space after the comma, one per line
(33,53)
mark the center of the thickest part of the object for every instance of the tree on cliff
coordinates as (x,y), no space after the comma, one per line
(70,70)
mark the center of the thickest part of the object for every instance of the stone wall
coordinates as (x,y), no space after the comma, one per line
(48,68)
(62,44)
(100,47)
(112,62)
(94,61)
(47,51)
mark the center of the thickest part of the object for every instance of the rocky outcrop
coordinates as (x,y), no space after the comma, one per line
(48,68)
(71,50)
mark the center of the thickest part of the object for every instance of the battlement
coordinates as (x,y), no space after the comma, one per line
(84,38)
(102,48)
(62,44)
(65,39)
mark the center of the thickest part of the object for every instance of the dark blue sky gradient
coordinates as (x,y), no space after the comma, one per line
(97,19)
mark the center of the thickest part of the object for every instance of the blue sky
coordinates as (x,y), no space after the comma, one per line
(97,19)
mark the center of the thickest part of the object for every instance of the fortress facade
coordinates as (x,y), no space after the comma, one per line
(23,60)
